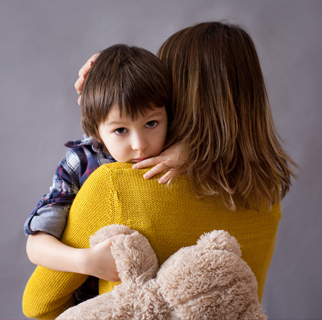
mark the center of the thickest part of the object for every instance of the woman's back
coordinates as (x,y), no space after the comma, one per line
(172,217)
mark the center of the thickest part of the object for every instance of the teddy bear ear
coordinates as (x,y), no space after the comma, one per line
(109,232)
(219,240)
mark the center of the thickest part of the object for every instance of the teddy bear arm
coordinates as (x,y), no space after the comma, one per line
(135,260)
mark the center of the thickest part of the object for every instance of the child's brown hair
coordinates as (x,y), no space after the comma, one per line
(131,78)
(222,116)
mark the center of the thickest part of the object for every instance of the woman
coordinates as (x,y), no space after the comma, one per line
(230,171)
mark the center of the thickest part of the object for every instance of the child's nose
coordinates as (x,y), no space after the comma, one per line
(139,143)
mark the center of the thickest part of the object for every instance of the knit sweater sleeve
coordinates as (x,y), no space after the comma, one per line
(48,293)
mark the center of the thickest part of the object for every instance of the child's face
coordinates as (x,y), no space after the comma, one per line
(133,141)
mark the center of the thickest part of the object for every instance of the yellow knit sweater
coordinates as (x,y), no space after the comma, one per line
(170,217)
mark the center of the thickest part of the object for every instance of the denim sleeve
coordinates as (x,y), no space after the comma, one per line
(50,219)
(52,210)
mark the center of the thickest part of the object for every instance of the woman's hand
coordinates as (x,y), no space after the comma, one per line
(99,261)
(82,74)
(165,161)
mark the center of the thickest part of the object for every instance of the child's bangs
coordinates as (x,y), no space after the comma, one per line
(137,102)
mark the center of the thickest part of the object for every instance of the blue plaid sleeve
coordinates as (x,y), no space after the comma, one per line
(51,214)
(52,210)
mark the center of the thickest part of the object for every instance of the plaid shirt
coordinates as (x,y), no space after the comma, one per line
(52,210)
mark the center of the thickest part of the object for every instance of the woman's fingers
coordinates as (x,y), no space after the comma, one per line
(79,84)
(87,66)
(82,74)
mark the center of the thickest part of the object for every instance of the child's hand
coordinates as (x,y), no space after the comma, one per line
(82,73)
(99,261)
(165,161)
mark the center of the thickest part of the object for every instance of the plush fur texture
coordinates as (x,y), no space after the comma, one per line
(206,281)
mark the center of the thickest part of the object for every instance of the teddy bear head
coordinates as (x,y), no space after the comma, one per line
(210,281)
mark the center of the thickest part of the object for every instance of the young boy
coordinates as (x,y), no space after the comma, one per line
(125,107)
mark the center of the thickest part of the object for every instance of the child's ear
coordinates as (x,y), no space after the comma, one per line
(219,240)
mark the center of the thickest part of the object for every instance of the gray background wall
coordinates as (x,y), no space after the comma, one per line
(44,43)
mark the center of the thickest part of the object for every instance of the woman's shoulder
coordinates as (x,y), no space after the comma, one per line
(116,166)
(119,169)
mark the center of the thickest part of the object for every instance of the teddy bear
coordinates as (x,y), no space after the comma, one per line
(208,280)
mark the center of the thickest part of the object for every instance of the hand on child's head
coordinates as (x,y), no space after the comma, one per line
(82,73)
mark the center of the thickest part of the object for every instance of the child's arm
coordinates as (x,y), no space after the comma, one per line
(47,251)
(52,210)
(48,293)
(47,222)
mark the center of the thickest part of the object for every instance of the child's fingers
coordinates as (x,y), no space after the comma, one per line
(166,177)
(147,163)
(161,167)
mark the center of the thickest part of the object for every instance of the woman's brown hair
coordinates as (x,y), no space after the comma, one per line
(222,117)
(131,78)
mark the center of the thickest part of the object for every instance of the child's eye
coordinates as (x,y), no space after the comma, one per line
(120,131)
(151,124)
